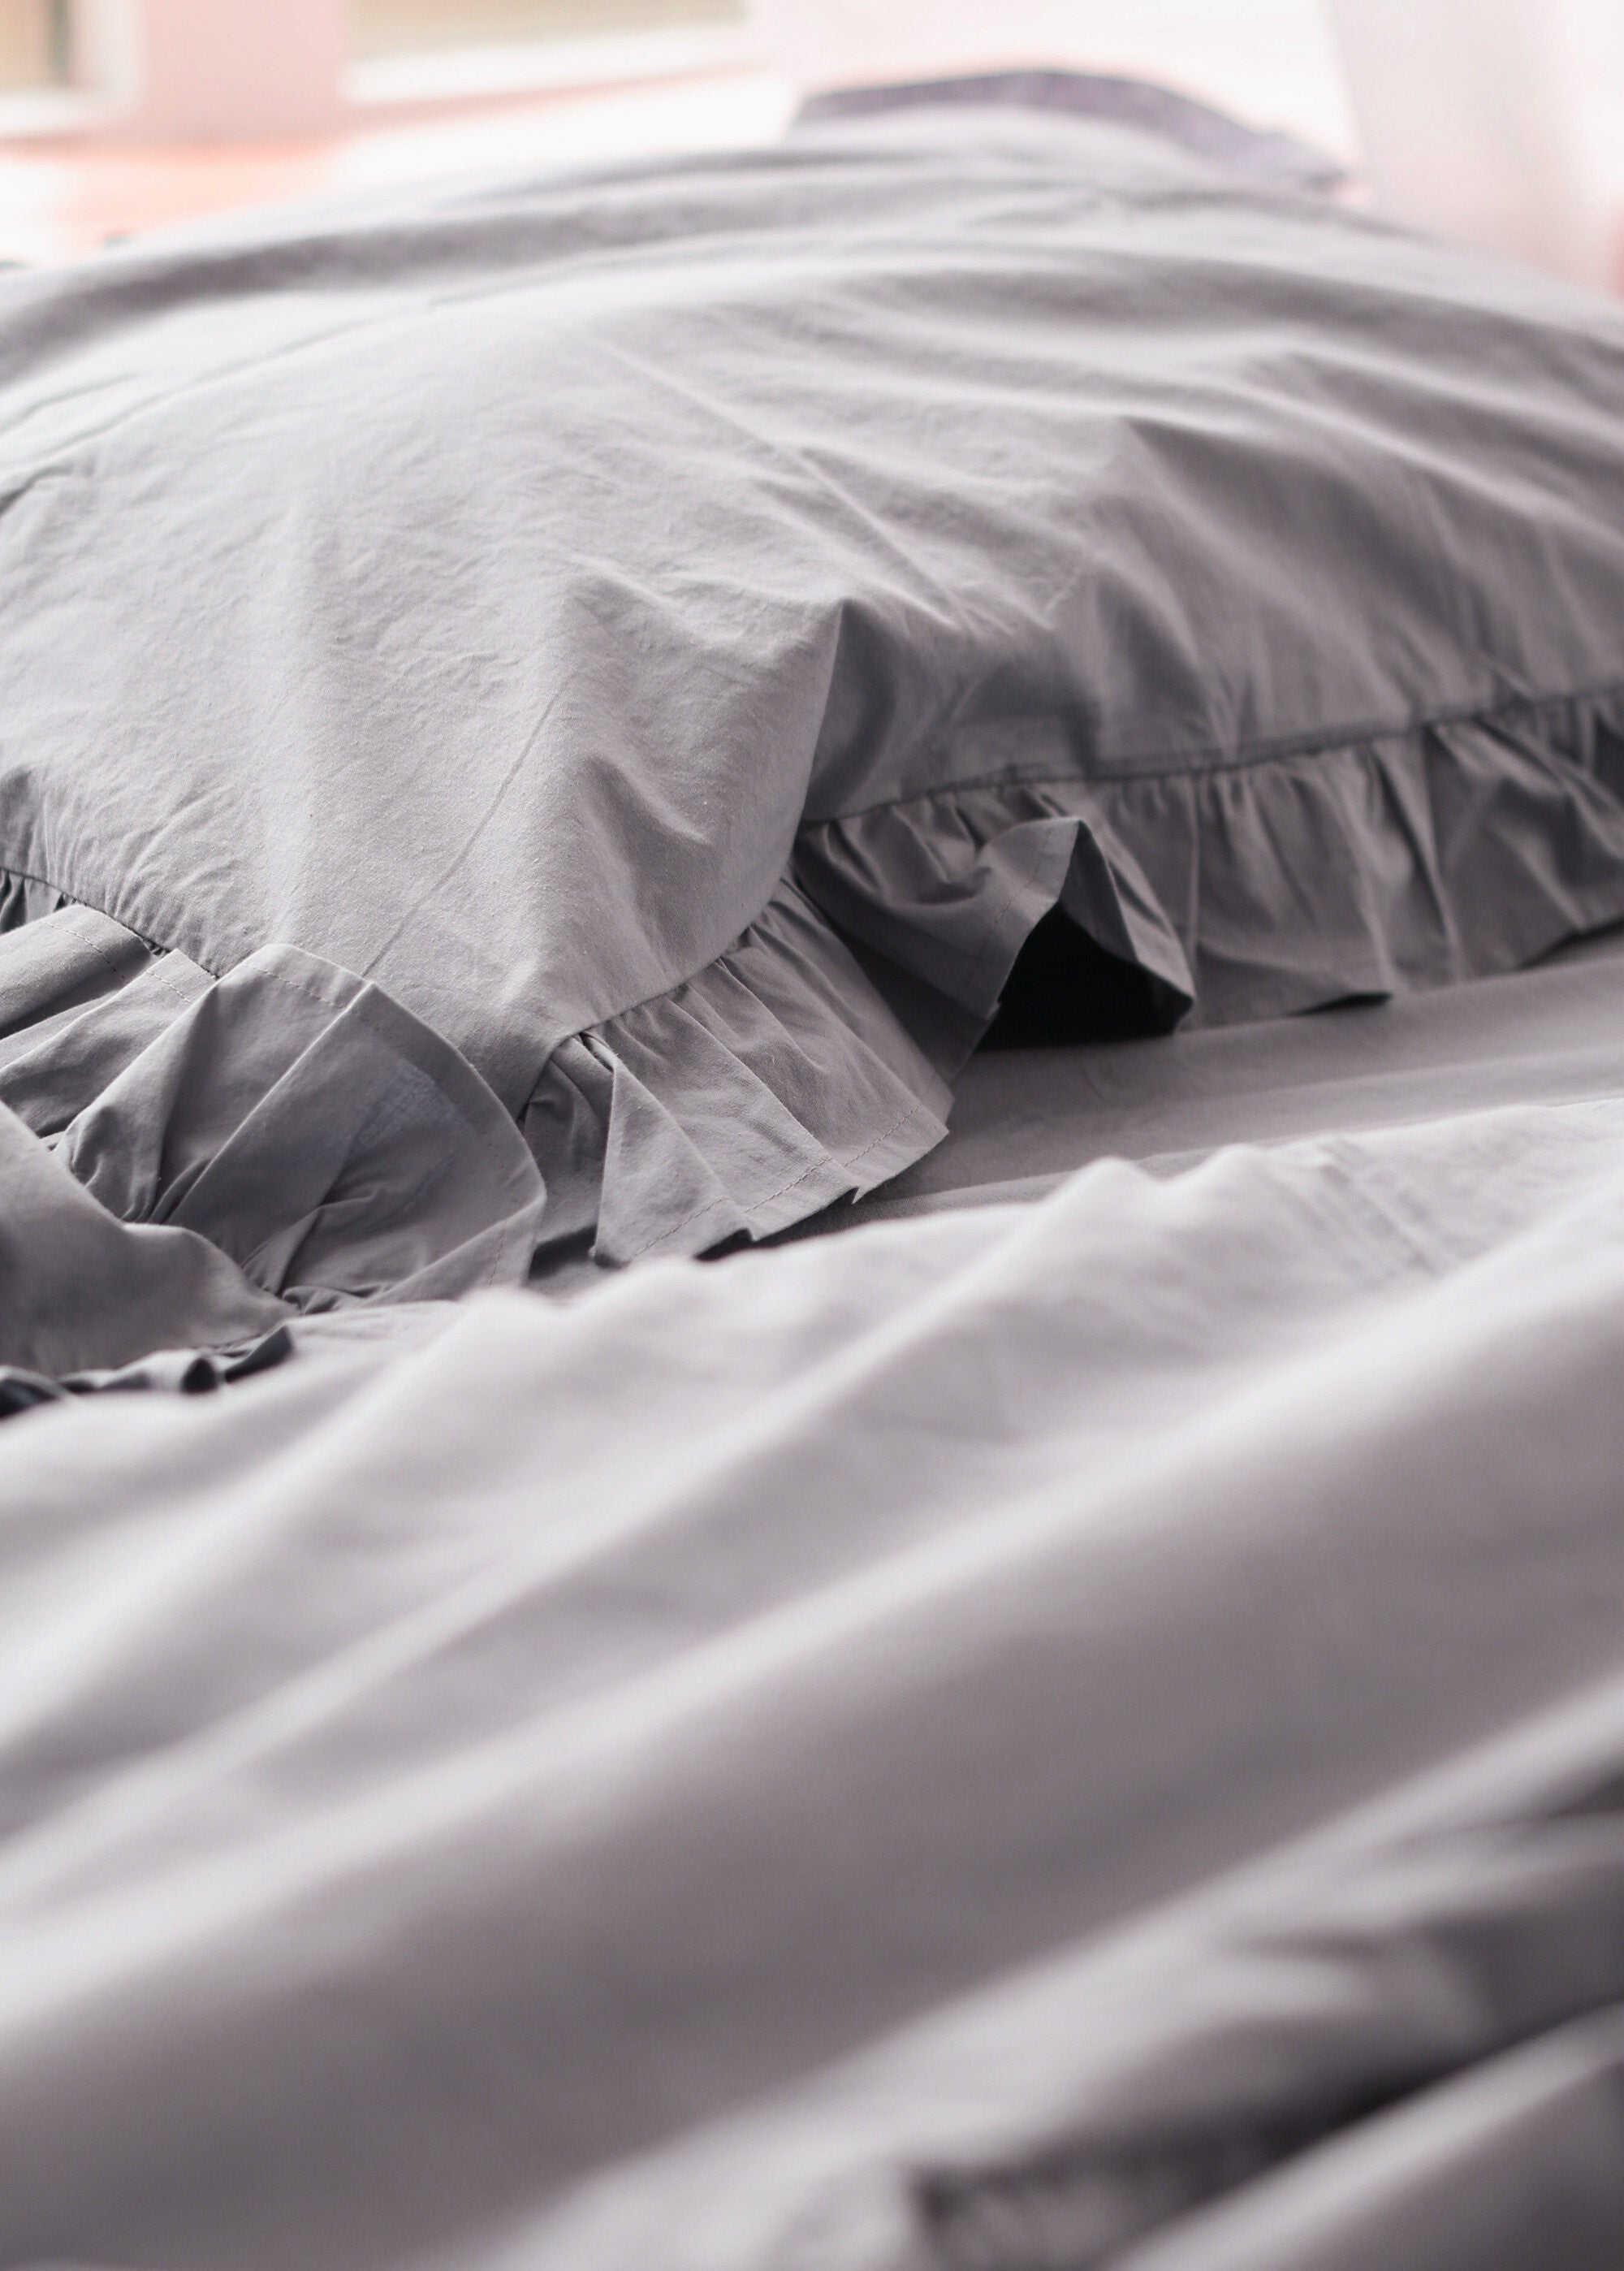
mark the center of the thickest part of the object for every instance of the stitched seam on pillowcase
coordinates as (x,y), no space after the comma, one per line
(81,898)
(1155,769)
(680,985)
(1209,759)
(665,993)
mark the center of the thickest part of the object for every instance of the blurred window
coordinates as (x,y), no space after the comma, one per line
(400,27)
(35,43)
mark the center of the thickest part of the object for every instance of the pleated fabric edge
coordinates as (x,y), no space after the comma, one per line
(813,1059)
(1258,887)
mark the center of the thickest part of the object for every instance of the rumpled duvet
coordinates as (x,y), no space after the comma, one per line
(1048,1737)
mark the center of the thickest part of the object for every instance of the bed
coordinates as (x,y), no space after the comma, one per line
(611,1665)
(1025,1118)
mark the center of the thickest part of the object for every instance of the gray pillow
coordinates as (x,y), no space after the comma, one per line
(676,632)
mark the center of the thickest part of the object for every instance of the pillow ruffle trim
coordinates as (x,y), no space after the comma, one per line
(190,1162)
(1381,865)
(812,1059)
(775,1081)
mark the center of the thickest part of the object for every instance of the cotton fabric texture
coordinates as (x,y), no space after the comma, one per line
(672,632)
(189,1163)
(1084,1735)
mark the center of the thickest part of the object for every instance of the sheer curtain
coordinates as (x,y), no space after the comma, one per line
(1470,121)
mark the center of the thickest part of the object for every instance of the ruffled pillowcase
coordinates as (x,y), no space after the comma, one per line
(676,632)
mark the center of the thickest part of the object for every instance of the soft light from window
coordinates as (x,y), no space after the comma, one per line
(395,27)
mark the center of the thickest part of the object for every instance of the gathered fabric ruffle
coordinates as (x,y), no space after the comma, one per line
(286,1140)
(188,1161)
(814,1060)
(1260,888)
(321,1147)
(775,1081)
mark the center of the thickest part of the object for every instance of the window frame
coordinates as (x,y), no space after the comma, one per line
(172,70)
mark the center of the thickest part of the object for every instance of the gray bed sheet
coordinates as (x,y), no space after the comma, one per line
(1024,1119)
(1076,1737)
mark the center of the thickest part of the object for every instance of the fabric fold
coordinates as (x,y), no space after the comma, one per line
(813,1059)
(776,1080)
(976,1744)
(185,1162)
(1277,883)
